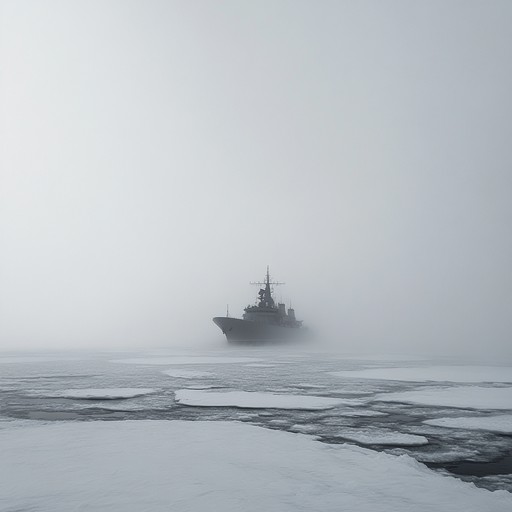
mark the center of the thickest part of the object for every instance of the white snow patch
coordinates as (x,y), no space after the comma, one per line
(186,360)
(132,466)
(101,393)
(187,374)
(501,423)
(254,400)
(434,373)
(472,397)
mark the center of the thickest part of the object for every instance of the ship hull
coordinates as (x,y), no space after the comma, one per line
(240,331)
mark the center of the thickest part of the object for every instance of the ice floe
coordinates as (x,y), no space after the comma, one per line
(471,397)
(382,437)
(131,466)
(254,400)
(434,373)
(187,374)
(186,360)
(101,393)
(501,423)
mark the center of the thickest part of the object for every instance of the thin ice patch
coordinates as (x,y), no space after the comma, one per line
(471,397)
(501,423)
(254,400)
(101,393)
(434,373)
(382,437)
(187,374)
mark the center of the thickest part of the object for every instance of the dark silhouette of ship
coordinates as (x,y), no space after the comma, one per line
(262,323)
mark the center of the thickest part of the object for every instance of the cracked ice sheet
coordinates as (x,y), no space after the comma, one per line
(501,423)
(434,373)
(187,374)
(471,397)
(131,466)
(99,393)
(256,400)
(186,360)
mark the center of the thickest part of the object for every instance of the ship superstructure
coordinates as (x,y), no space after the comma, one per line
(265,321)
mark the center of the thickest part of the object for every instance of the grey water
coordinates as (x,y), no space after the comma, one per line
(29,387)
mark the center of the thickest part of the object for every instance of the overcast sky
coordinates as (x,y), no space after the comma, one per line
(156,155)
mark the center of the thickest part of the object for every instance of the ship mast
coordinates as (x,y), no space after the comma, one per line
(265,294)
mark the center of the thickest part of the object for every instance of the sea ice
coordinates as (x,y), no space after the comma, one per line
(501,423)
(380,436)
(360,412)
(254,400)
(186,360)
(187,374)
(471,397)
(434,373)
(131,466)
(101,393)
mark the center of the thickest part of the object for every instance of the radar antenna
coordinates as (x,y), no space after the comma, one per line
(265,294)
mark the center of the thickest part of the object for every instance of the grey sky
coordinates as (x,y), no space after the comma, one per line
(155,156)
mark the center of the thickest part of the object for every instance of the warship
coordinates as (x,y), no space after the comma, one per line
(264,322)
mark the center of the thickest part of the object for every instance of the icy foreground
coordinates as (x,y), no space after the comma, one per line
(223,466)
(256,400)
(471,397)
(501,423)
(434,373)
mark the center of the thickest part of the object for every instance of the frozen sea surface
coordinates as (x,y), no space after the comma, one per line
(257,386)
(221,466)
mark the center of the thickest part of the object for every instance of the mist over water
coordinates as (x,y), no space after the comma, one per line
(158,155)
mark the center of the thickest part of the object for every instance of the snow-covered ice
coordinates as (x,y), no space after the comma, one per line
(187,374)
(132,466)
(187,360)
(434,373)
(381,437)
(101,393)
(501,423)
(472,397)
(255,400)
